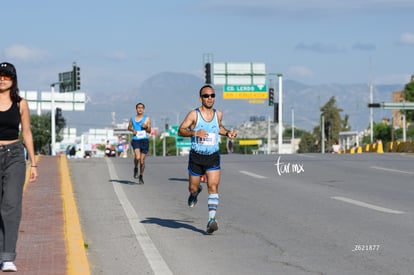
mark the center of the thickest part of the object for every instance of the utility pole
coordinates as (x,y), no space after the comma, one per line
(154,153)
(71,79)
(323,134)
(371,99)
(269,139)
(164,141)
(404,126)
(371,114)
(53,120)
(280,122)
(293,131)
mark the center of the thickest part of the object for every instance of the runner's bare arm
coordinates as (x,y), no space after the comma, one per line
(186,127)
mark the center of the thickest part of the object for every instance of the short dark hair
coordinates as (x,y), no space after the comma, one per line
(206,86)
(136,106)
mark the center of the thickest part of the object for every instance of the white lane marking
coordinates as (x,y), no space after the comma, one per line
(154,258)
(252,174)
(392,170)
(367,205)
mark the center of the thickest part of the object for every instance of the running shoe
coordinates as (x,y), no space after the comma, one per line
(141,180)
(192,199)
(9,267)
(135,172)
(211,226)
(203,178)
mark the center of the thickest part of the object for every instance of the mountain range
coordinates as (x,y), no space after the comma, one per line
(169,96)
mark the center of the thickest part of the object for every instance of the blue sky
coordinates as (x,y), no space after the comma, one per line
(118,44)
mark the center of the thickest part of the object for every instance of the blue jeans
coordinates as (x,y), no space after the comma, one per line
(12,178)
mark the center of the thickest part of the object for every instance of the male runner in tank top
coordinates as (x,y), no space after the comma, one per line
(140,126)
(204,126)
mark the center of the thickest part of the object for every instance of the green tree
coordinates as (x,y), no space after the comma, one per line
(307,143)
(298,132)
(170,146)
(41,130)
(409,96)
(333,123)
(332,120)
(345,123)
(382,131)
(398,133)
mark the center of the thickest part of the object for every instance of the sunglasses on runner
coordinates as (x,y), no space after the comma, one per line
(208,95)
(6,77)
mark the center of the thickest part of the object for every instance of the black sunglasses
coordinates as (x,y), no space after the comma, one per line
(208,95)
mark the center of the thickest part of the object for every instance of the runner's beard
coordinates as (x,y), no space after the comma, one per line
(208,106)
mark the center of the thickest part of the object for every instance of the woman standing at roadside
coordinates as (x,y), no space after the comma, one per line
(14,111)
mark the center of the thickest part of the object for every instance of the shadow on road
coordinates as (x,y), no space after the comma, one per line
(123,181)
(175,224)
(178,179)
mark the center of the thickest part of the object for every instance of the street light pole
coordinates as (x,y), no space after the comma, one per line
(322,134)
(269,138)
(404,126)
(293,131)
(371,114)
(52,114)
(164,142)
(280,121)
(153,140)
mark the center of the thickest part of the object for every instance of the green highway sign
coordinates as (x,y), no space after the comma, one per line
(182,142)
(65,82)
(244,88)
(173,130)
(244,92)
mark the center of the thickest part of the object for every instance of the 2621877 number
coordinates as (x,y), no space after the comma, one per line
(366,247)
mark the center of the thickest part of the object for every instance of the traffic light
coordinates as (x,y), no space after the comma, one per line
(271,96)
(59,119)
(76,78)
(374,105)
(208,73)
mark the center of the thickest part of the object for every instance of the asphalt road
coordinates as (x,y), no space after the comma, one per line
(278,214)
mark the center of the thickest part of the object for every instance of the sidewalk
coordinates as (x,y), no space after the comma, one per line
(46,244)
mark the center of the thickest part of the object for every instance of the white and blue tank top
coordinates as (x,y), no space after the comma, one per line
(209,144)
(137,126)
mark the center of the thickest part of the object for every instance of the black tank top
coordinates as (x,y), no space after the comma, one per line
(9,123)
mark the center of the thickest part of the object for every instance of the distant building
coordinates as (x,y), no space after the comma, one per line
(398,96)
(396,114)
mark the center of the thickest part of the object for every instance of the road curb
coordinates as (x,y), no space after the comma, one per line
(77,262)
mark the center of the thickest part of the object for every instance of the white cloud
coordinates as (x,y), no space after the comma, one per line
(407,38)
(24,53)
